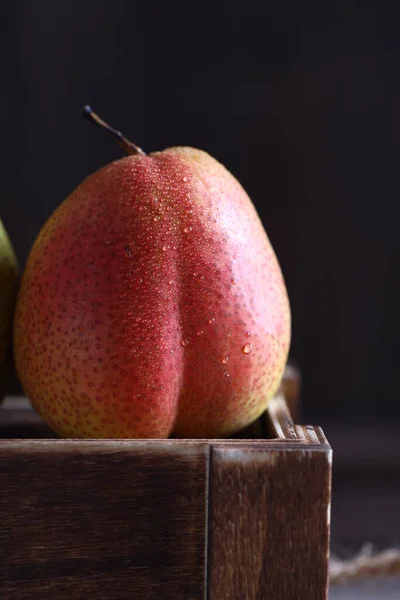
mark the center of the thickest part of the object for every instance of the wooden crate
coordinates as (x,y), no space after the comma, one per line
(234,519)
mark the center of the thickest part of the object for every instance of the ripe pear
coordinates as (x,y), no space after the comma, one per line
(152,303)
(8,289)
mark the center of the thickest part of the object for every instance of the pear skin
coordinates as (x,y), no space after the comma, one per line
(8,290)
(152,304)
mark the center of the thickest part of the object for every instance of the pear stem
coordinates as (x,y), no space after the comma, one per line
(126,144)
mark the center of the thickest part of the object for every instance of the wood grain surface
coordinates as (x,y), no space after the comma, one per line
(245,518)
(102,520)
(269,520)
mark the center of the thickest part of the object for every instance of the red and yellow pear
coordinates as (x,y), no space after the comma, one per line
(152,303)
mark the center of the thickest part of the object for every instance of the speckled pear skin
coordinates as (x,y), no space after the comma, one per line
(152,304)
(8,291)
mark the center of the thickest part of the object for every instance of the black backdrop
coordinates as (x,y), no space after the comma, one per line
(300,100)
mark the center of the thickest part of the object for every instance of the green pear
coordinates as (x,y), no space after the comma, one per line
(8,290)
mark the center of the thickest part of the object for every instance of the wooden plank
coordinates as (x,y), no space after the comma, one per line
(104,520)
(18,420)
(279,420)
(291,389)
(269,522)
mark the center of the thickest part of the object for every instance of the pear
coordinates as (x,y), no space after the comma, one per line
(152,303)
(8,289)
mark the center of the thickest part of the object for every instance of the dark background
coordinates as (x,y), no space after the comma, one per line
(300,100)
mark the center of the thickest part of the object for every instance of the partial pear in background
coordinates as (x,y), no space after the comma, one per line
(8,290)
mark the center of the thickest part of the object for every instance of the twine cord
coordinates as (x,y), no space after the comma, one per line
(364,565)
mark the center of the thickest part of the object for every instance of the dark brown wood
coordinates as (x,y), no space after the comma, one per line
(291,389)
(245,518)
(279,422)
(105,520)
(18,420)
(269,522)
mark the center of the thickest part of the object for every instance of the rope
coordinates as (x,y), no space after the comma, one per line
(364,565)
